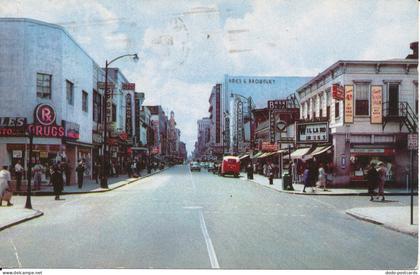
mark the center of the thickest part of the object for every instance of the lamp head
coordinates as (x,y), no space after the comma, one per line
(136,58)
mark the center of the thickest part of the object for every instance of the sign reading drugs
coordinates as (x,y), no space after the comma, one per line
(376,105)
(348,104)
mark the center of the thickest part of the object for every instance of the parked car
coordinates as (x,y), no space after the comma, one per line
(210,167)
(195,166)
(230,165)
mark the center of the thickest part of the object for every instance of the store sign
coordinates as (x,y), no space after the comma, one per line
(129,86)
(240,122)
(137,115)
(268,147)
(12,126)
(280,104)
(367,150)
(376,105)
(128,115)
(412,142)
(101,85)
(97,138)
(17,154)
(337,92)
(348,104)
(45,123)
(44,114)
(312,132)
(71,130)
(272,127)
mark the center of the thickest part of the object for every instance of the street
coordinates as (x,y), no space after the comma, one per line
(179,219)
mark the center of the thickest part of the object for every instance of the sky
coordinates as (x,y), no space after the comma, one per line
(185,47)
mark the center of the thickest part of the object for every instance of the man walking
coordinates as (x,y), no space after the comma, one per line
(80,170)
(382,177)
(372,178)
(18,173)
(57,181)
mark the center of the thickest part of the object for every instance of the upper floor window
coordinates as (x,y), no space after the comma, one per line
(337,109)
(114,113)
(362,99)
(84,101)
(97,107)
(70,92)
(43,85)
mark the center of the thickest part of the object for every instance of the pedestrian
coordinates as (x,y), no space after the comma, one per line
(270,171)
(38,171)
(80,170)
(57,181)
(97,167)
(313,174)
(372,178)
(306,180)
(129,169)
(381,183)
(18,172)
(250,171)
(322,177)
(5,188)
(138,167)
(65,170)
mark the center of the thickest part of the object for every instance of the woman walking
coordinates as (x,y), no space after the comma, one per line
(38,171)
(5,188)
(322,177)
(306,178)
(372,178)
(57,181)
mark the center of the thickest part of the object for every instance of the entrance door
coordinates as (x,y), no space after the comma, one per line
(393,99)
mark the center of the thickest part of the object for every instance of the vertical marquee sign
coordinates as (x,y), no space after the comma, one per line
(275,106)
(348,104)
(128,115)
(108,106)
(376,105)
(240,122)
(137,115)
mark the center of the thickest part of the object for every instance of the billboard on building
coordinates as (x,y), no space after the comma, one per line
(348,104)
(376,105)
(314,132)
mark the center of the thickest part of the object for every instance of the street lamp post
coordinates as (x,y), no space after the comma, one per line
(105,157)
(28,203)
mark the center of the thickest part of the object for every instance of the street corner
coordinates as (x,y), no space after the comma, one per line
(14,215)
(396,218)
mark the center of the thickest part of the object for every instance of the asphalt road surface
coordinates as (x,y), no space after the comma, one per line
(178,219)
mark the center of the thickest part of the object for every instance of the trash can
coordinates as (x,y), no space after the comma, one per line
(287,182)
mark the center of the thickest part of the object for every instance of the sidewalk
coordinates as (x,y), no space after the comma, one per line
(278,185)
(90,186)
(396,218)
(13,215)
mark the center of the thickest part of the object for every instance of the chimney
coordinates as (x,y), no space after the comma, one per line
(415,47)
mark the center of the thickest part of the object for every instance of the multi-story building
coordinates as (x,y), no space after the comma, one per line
(160,126)
(357,112)
(49,86)
(203,149)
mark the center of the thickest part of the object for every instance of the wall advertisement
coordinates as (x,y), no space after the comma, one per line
(348,104)
(376,105)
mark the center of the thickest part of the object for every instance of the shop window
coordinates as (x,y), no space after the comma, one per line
(97,107)
(43,85)
(337,109)
(84,101)
(362,99)
(70,92)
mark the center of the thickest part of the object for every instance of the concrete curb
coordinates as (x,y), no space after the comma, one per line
(131,180)
(388,226)
(328,193)
(37,214)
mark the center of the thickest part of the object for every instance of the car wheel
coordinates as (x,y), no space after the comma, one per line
(236,176)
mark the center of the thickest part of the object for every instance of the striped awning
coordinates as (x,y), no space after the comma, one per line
(321,149)
(299,153)
(257,155)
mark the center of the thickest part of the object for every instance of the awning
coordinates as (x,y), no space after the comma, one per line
(299,153)
(282,151)
(139,149)
(243,157)
(257,155)
(321,149)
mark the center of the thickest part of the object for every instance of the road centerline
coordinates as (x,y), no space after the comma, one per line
(209,244)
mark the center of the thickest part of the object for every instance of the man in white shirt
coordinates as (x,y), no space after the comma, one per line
(19,173)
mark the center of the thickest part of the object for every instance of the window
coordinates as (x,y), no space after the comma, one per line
(70,92)
(337,109)
(97,107)
(43,85)
(321,103)
(84,101)
(362,99)
(114,113)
